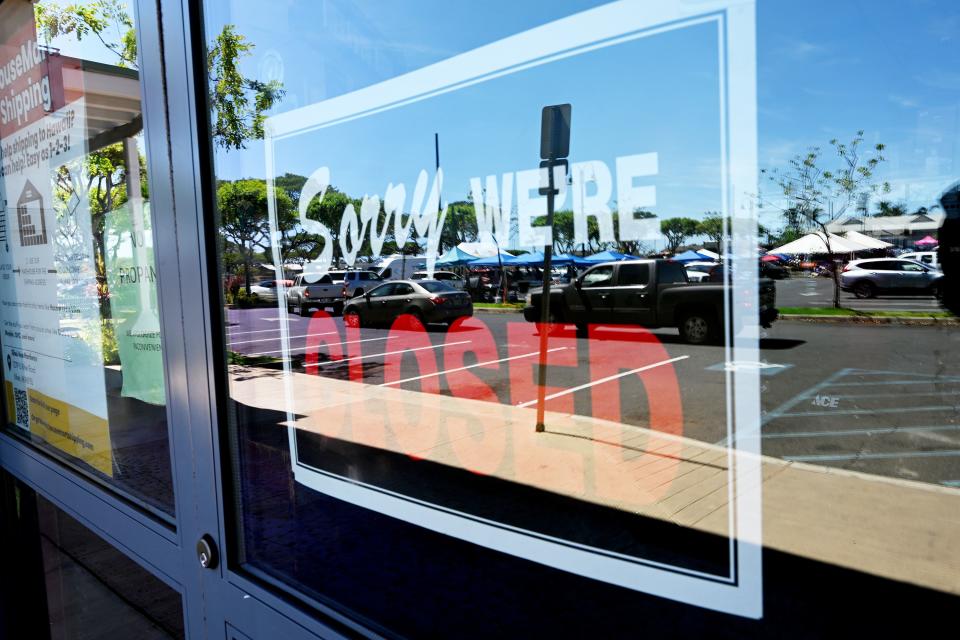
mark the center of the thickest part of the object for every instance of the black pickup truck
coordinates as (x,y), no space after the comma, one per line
(650,293)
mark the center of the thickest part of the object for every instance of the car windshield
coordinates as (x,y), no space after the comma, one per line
(436,287)
(337,276)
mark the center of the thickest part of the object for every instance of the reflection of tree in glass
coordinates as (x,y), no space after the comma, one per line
(818,195)
(677,230)
(103,19)
(244,221)
(233,119)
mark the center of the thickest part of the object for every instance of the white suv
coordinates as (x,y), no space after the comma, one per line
(448,277)
(928,258)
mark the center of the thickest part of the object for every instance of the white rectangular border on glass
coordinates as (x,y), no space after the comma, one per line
(740,593)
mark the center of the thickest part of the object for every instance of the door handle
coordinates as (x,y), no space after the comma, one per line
(409,299)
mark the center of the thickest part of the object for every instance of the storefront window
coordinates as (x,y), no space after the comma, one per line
(721,412)
(82,359)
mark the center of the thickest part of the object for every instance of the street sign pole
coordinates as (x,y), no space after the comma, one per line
(554,148)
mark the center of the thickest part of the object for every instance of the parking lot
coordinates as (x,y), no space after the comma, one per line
(810,291)
(878,399)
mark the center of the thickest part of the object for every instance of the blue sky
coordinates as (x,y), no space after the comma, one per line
(825,69)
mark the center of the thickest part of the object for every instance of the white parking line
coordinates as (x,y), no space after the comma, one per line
(897,382)
(306,335)
(291,351)
(602,380)
(860,432)
(390,353)
(851,412)
(470,366)
(237,333)
(874,456)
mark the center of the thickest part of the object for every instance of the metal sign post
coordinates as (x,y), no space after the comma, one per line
(554,148)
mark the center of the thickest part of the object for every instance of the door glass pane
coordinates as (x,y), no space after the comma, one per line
(95,592)
(680,460)
(82,362)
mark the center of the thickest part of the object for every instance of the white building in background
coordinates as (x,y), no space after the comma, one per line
(901,231)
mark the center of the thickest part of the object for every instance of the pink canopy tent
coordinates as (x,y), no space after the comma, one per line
(929,240)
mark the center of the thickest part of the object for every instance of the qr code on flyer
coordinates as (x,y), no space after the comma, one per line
(22,407)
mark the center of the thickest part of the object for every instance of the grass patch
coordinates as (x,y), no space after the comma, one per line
(234,357)
(498,305)
(829,311)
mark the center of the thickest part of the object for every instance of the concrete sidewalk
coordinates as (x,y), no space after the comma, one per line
(901,530)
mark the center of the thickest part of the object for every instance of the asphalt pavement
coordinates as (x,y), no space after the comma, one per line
(811,291)
(878,399)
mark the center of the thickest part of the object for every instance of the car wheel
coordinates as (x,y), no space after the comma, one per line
(352,319)
(697,328)
(937,291)
(864,289)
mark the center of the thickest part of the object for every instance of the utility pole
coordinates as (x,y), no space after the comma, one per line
(554,149)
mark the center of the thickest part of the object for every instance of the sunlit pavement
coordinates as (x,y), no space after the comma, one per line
(826,389)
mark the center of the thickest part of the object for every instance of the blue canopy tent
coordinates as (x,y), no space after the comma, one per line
(609,256)
(691,256)
(494,261)
(455,257)
(535,259)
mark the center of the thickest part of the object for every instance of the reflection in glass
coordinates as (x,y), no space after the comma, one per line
(389,458)
(81,342)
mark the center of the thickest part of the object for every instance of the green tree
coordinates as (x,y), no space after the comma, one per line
(102,19)
(677,230)
(244,219)
(238,104)
(713,228)
(460,225)
(888,209)
(233,119)
(808,188)
(631,247)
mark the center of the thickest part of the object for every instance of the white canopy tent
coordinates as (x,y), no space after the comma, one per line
(865,240)
(815,243)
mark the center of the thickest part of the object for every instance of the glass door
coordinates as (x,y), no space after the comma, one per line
(507,457)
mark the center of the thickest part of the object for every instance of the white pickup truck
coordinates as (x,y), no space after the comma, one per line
(330,290)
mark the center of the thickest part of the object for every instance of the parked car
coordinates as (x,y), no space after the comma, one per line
(699,271)
(266,290)
(330,290)
(400,267)
(773,271)
(449,277)
(928,258)
(358,282)
(430,301)
(325,291)
(873,276)
(650,293)
(764,270)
